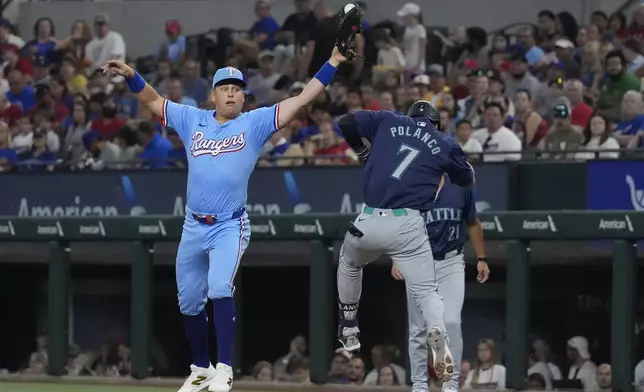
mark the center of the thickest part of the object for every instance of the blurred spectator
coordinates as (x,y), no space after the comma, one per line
(127,145)
(617,82)
(39,359)
(279,146)
(529,126)
(9,113)
(537,382)
(547,29)
(44,43)
(466,367)
(328,143)
(497,138)
(382,356)
(175,93)
(23,140)
(387,376)
(386,102)
(110,362)
(160,77)
(39,157)
(486,374)
(106,44)
(520,78)
(463,134)
(47,125)
(580,111)
(8,156)
(262,83)
(414,38)
(127,106)
(616,26)
(177,155)
(77,361)
(339,367)
(539,364)
(194,86)
(356,371)
(632,117)
(282,368)
(100,152)
(631,50)
(298,26)
(262,32)
(108,123)
(263,372)
(156,149)
(563,137)
(174,48)
(20,93)
(300,370)
(73,141)
(389,55)
(604,378)
(7,37)
(13,61)
(597,137)
(473,106)
(74,46)
(582,370)
(599,19)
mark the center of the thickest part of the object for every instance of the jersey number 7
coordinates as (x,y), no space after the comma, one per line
(409,155)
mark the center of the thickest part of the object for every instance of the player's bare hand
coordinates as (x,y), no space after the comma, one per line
(117,67)
(395,273)
(337,56)
(483,272)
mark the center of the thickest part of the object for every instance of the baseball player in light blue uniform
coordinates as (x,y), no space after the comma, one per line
(222,146)
(449,223)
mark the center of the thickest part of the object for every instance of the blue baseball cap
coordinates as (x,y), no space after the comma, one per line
(228,75)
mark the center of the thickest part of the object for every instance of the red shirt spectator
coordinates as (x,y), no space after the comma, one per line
(11,55)
(9,113)
(581,114)
(108,127)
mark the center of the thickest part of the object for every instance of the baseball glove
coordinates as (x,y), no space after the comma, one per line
(349,24)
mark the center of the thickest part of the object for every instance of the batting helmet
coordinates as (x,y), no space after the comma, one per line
(425,109)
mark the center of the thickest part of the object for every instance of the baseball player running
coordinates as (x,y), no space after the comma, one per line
(223,146)
(405,163)
(451,219)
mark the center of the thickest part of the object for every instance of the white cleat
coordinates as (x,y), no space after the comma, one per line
(443,361)
(223,381)
(199,379)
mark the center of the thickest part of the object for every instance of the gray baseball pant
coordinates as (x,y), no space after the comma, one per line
(450,276)
(401,235)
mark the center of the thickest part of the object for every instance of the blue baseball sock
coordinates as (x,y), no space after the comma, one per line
(225,326)
(197,334)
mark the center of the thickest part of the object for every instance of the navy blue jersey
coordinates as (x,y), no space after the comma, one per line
(407,160)
(454,207)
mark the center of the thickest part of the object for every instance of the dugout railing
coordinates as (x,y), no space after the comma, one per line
(516,228)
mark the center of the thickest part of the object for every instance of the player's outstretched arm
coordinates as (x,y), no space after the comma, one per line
(289,108)
(475,234)
(143,91)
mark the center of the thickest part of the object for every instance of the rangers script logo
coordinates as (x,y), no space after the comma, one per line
(202,146)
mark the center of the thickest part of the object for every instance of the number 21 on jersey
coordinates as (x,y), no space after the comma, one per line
(409,155)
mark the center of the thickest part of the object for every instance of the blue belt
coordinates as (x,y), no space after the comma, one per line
(451,253)
(212,219)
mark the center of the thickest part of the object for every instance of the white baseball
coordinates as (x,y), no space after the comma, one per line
(349,7)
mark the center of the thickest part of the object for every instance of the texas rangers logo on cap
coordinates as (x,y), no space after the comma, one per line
(228,75)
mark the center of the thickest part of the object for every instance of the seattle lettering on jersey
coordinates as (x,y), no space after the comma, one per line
(418,133)
(444,214)
(203,146)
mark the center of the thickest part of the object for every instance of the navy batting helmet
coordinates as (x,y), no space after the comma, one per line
(425,109)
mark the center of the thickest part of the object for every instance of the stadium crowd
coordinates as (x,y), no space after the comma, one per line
(556,89)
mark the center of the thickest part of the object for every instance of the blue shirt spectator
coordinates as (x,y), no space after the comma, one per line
(194,86)
(175,47)
(265,27)
(178,154)
(630,127)
(20,93)
(8,158)
(156,148)
(45,42)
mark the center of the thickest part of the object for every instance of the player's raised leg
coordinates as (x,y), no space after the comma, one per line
(192,284)
(413,257)
(451,286)
(418,348)
(353,258)
(227,242)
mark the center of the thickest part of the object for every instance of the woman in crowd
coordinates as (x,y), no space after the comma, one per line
(387,377)
(263,372)
(486,374)
(597,137)
(74,146)
(528,125)
(73,47)
(44,42)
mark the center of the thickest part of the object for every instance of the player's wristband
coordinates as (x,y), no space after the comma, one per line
(136,83)
(482,259)
(326,73)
